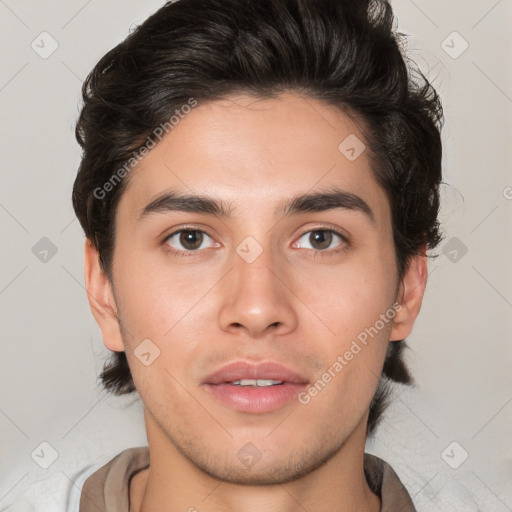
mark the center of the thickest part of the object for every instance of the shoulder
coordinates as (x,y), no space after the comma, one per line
(384,482)
(108,486)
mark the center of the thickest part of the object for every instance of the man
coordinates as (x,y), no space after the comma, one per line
(258,189)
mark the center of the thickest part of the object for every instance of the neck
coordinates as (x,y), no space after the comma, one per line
(172,482)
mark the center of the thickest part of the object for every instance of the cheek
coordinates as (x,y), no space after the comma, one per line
(362,311)
(357,306)
(171,309)
(353,354)
(157,297)
(350,299)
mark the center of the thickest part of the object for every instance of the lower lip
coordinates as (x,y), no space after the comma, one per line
(255,399)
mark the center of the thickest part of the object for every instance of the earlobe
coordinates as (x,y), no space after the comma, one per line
(101,299)
(410,297)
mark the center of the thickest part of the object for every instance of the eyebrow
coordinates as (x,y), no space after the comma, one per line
(321,201)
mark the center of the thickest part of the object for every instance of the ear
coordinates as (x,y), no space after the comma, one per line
(410,296)
(101,299)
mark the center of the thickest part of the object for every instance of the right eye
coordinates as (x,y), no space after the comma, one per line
(188,240)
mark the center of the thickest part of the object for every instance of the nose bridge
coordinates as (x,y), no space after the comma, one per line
(256,267)
(256,298)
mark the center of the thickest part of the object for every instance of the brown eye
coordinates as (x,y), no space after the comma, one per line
(191,240)
(321,240)
(188,240)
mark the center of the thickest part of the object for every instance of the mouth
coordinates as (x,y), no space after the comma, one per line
(261,383)
(254,388)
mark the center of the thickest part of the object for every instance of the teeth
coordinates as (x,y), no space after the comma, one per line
(258,382)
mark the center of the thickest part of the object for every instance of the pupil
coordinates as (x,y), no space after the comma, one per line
(191,239)
(321,239)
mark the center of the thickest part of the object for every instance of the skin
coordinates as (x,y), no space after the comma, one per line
(292,305)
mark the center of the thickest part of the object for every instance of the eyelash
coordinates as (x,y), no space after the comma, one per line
(316,252)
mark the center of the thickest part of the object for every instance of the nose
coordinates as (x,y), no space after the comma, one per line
(257,298)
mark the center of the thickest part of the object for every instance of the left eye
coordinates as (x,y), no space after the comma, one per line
(190,240)
(320,239)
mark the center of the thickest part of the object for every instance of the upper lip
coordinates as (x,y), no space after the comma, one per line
(239,370)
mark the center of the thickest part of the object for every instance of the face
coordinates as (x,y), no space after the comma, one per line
(242,283)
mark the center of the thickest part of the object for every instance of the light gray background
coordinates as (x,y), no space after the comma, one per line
(461,349)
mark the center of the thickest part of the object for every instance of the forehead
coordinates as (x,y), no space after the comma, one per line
(255,152)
